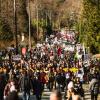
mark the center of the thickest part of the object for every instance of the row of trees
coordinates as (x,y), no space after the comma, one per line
(7,18)
(47,15)
(90,25)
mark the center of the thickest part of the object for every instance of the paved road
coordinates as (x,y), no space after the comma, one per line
(46,94)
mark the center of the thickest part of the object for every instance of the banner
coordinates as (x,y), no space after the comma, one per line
(23,51)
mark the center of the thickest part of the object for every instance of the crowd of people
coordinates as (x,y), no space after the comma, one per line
(47,65)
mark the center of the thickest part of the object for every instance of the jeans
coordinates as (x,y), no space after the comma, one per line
(26,95)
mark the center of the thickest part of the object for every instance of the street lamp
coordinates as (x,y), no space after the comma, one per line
(37,18)
(29,24)
(0,8)
(15,26)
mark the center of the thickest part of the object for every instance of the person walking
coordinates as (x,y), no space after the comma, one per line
(94,87)
(78,87)
(2,86)
(50,80)
(25,83)
(37,88)
(72,94)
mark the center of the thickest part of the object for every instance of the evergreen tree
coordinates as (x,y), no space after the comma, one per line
(90,23)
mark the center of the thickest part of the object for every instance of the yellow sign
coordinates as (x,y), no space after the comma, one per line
(74,69)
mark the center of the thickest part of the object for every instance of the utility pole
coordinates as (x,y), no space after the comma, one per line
(29,24)
(50,16)
(0,8)
(46,18)
(37,18)
(29,31)
(15,26)
(59,21)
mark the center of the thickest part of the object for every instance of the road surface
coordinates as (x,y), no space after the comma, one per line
(46,94)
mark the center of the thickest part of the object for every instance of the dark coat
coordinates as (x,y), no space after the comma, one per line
(37,86)
(22,84)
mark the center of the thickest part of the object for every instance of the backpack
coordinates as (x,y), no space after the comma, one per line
(96,88)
